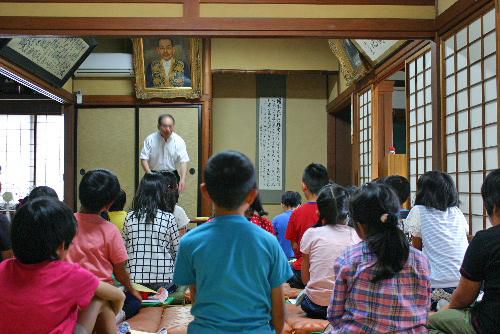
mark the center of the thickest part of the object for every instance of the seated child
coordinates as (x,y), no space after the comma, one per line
(98,245)
(116,214)
(290,200)
(180,215)
(382,284)
(42,191)
(481,267)
(151,233)
(41,293)
(401,186)
(320,247)
(314,178)
(234,268)
(438,227)
(257,215)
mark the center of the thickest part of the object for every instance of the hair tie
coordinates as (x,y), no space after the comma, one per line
(384,217)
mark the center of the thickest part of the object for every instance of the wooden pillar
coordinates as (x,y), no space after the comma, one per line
(206,119)
(382,124)
(69,155)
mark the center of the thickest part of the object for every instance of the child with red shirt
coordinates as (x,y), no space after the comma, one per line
(314,178)
(39,293)
(98,245)
(257,215)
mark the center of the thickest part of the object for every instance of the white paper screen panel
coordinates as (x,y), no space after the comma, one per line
(470,112)
(419,120)
(365,136)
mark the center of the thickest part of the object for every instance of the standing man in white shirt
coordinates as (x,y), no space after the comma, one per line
(166,150)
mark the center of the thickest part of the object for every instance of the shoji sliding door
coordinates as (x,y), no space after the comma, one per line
(419,117)
(470,112)
(365,136)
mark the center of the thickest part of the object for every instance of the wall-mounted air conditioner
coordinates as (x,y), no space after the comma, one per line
(106,65)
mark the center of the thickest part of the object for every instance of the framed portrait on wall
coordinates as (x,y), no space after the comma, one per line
(53,59)
(167,67)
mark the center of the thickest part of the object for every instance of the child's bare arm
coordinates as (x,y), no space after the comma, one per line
(114,295)
(123,277)
(192,290)
(278,309)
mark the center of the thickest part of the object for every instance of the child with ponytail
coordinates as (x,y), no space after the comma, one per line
(382,284)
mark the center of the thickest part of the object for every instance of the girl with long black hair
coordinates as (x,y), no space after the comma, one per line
(382,284)
(151,233)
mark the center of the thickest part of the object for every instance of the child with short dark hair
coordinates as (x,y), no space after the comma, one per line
(320,247)
(290,200)
(382,284)
(42,191)
(480,267)
(41,293)
(98,245)
(314,178)
(401,186)
(438,227)
(234,268)
(116,213)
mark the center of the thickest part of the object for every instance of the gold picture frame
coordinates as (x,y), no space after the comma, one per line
(179,56)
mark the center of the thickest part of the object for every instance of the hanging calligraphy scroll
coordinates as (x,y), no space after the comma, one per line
(271,91)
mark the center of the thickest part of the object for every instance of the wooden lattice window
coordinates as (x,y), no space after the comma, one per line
(419,120)
(470,112)
(365,136)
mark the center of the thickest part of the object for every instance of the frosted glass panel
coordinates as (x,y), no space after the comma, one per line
(488,21)
(476,182)
(451,161)
(463,162)
(413,136)
(428,112)
(450,85)
(420,98)
(490,111)
(413,166)
(412,118)
(411,69)
(463,121)
(413,182)
(413,149)
(450,124)
(489,44)
(412,101)
(476,139)
(449,46)
(461,38)
(463,141)
(476,117)
(476,160)
(490,67)
(428,146)
(428,77)
(428,95)
(412,86)
(462,79)
(476,95)
(420,64)
(490,89)
(462,102)
(428,60)
(461,59)
(477,224)
(475,51)
(420,115)
(464,202)
(450,104)
(421,165)
(475,30)
(463,182)
(490,135)
(450,66)
(450,143)
(477,205)
(420,149)
(491,160)
(475,73)
(420,81)
(428,130)
(428,163)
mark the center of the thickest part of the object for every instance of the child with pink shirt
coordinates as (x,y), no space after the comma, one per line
(39,293)
(320,247)
(98,245)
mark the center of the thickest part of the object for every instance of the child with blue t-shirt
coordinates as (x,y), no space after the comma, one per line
(290,200)
(233,267)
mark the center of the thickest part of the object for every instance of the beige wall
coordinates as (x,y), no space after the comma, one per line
(444,5)
(104,86)
(275,54)
(234,122)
